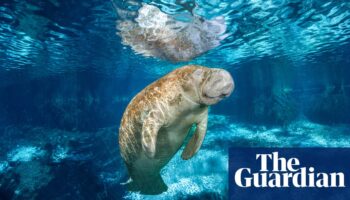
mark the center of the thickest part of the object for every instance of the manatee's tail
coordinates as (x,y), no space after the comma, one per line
(151,185)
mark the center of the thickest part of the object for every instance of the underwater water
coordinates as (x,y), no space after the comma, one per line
(66,77)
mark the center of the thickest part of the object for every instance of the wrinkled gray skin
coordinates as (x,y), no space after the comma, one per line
(158,119)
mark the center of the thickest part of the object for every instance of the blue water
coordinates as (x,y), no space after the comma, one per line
(67,74)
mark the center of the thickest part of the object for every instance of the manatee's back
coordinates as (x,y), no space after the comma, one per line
(130,130)
(163,90)
(135,113)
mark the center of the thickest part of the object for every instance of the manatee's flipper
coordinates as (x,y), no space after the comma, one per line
(148,184)
(197,139)
(149,134)
(153,185)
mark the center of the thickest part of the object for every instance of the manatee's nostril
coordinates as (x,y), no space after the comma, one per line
(228,86)
(227,89)
(225,93)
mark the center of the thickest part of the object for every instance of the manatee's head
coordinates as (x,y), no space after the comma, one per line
(210,85)
(216,85)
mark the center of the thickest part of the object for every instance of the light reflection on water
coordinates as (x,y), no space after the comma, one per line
(45,39)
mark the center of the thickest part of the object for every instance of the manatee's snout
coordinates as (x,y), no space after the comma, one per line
(227,84)
(219,85)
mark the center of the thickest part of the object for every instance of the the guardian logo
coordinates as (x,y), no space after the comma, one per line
(279,172)
(289,173)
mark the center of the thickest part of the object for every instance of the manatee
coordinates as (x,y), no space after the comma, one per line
(158,119)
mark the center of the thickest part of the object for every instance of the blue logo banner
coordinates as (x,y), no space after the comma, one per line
(289,173)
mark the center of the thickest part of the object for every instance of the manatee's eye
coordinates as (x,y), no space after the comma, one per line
(198,73)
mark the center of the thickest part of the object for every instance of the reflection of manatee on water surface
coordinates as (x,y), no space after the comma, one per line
(157,34)
(158,119)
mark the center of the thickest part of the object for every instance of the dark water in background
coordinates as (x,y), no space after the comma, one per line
(66,80)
